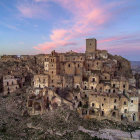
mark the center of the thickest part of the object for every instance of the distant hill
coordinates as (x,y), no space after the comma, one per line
(135,65)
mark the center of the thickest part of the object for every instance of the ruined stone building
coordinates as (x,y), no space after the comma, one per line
(114,106)
(101,85)
(10,84)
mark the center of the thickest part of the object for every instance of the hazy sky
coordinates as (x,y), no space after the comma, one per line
(39,26)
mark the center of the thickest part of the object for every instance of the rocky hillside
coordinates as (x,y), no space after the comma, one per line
(124,64)
(60,124)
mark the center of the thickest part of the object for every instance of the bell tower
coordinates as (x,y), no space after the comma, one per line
(91,45)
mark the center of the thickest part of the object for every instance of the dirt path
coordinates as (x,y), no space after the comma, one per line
(112,134)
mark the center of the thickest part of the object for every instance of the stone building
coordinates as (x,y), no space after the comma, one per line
(10,84)
(101,85)
(117,107)
(40,101)
(41,81)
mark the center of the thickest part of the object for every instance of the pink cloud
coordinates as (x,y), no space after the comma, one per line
(49,46)
(121,44)
(58,34)
(88,17)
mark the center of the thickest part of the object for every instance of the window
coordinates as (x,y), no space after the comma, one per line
(131,101)
(85,96)
(102,114)
(76,97)
(102,104)
(93,79)
(114,91)
(115,107)
(69,65)
(85,87)
(115,100)
(123,86)
(52,72)
(91,87)
(125,111)
(92,104)
(114,114)
(124,102)
(52,81)
(113,85)
(80,104)
(93,112)
(78,65)
(104,99)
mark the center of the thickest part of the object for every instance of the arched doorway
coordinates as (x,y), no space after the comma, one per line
(134,117)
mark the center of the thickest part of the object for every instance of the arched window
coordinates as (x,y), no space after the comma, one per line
(114,114)
(93,104)
(102,113)
(80,104)
(93,79)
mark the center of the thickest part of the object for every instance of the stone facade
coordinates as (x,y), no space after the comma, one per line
(10,84)
(97,84)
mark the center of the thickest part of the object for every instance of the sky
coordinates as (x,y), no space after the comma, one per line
(40,26)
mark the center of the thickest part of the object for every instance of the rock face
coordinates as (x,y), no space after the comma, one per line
(124,65)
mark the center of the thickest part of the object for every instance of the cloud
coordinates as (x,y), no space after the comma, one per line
(121,44)
(88,17)
(30,9)
(49,46)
